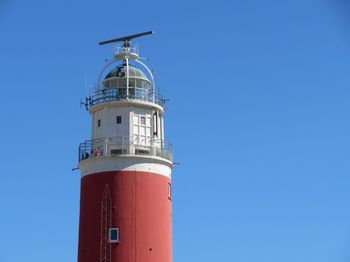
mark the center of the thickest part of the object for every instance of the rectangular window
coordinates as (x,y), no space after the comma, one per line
(169,191)
(143,120)
(113,235)
(155,124)
(119,119)
(99,123)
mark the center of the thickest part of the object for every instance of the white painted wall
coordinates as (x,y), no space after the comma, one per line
(130,125)
(109,126)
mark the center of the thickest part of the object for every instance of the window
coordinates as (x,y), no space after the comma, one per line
(119,119)
(99,123)
(143,120)
(169,191)
(155,124)
(113,235)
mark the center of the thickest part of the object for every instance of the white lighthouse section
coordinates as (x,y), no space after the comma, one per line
(143,123)
(127,124)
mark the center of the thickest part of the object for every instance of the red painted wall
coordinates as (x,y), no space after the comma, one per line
(140,208)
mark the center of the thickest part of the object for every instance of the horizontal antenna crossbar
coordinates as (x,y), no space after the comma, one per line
(125,38)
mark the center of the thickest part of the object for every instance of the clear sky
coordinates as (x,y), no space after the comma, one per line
(259,120)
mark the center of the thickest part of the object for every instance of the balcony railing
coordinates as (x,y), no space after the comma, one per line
(115,146)
(119,94)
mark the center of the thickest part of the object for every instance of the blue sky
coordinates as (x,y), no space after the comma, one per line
(259,120)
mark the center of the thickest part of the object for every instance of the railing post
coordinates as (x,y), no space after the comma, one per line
(106,146)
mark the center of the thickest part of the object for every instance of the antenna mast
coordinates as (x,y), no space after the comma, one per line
(126,55)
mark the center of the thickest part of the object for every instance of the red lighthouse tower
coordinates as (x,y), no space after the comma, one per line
(125,205)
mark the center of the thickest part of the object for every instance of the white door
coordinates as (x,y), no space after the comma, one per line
(142,129)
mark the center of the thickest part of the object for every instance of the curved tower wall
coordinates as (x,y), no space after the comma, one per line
(138,205)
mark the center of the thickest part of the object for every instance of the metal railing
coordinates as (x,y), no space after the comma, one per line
(121,50)
(121,145)
(119,94)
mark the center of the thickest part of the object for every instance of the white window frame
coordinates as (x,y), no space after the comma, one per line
(110,240)
(144,120)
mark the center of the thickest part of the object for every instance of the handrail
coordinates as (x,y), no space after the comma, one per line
(121,145)
(119,94)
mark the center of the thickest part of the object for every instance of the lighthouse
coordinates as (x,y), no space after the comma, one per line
(125,166)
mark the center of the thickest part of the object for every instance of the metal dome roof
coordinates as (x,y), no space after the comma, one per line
(120,71)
